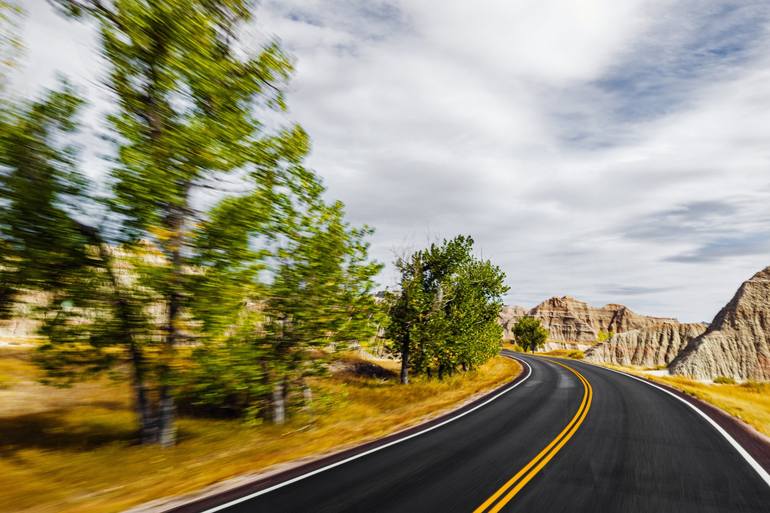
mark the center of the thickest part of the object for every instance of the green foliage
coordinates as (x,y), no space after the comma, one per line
(529,333)
(724,380)
(445,315)
(604,335)
(259,276)
(320,298)
(39,189)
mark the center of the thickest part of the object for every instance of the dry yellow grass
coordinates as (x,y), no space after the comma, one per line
(69,450)
(749,402)
(574,354)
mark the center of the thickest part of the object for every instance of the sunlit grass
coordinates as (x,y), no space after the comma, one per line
(70,450)
(575,354)
(749,402)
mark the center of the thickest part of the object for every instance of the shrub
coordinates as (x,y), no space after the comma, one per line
(724,380)
(576,354)
(756,386)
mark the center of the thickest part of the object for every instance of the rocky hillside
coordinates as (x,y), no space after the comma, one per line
(571,320)
(737,342)
(653,346)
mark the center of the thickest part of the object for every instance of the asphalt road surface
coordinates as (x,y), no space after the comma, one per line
(570,437)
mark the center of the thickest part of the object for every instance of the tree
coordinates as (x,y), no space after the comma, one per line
(92,317)
(187,104)
(160,267)
(529,333)
(320,297)
(256,277)
(445,314)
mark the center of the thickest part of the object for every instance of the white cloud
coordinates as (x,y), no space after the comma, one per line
(553,132)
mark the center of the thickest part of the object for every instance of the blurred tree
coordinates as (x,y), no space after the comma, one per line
(188,96)
(445,315)
(10,43)
(529,333)
(319,297)
(213,233)
(93,318)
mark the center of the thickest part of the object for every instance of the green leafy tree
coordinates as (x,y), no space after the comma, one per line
(320,297)
(444,316)
(529,333)
(162,268)
(257,276)
(92,317)
(187,106)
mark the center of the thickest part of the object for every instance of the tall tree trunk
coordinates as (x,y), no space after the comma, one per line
(405,360)
(148,422)
(307,395)
(166,407)
(279,403)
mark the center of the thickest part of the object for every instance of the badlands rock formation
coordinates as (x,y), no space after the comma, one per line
(653,346)
(570,320)
(737,343)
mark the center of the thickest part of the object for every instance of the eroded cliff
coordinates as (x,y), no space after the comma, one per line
(737,342)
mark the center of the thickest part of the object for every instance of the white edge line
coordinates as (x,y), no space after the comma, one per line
(375,449)
(738,447)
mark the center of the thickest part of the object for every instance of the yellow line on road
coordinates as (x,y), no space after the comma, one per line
(523,476)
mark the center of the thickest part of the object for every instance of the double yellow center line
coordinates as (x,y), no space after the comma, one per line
(501,497)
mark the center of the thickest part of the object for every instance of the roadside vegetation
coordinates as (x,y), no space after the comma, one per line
(73,450)
(197,304)
(574,354)
(749,402)
(529,333)
(444,317)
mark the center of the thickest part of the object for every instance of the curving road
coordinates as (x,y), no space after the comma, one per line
(567,437)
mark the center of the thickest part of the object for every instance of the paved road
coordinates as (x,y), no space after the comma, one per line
(556,442)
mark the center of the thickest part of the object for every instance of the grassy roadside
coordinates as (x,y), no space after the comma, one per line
(70,450)
(749,402)
(575,354)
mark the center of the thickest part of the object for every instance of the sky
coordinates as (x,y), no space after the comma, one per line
(617,152)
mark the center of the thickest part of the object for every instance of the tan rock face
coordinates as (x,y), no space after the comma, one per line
(737,343)
(571,320)
(652,346)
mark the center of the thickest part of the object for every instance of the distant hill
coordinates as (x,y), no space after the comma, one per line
(737,342)
(574,322)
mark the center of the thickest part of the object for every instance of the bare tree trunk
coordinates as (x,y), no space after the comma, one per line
(307,395)
(148,422)
(405,360)
(148,425)
(279,403)
(166,406)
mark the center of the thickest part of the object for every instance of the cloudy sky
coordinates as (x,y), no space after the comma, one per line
(616,151)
